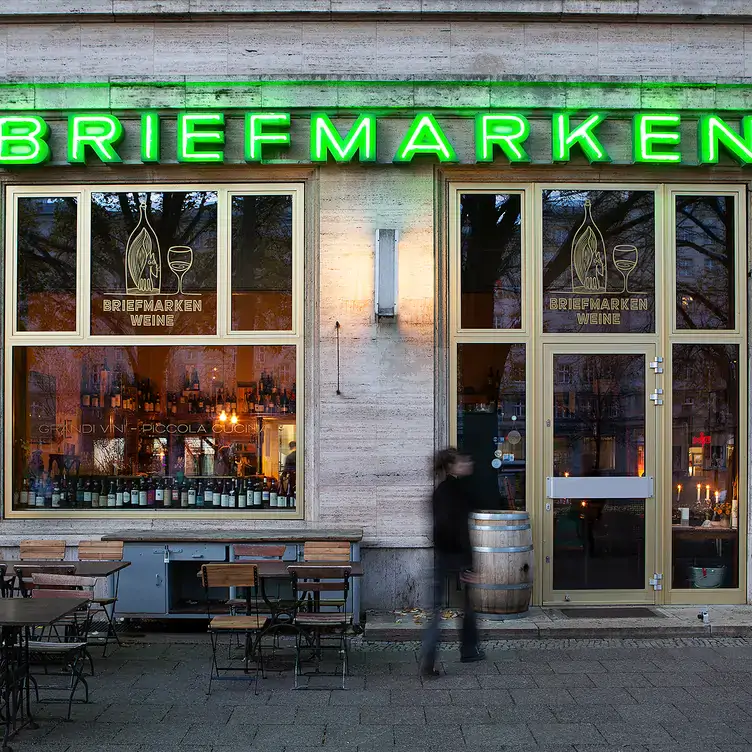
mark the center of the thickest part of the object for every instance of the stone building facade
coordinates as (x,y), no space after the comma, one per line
(379,393)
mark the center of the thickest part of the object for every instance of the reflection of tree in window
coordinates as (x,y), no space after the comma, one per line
(491,261)
(705,244)
(46,230)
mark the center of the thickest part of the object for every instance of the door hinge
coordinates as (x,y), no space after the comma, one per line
(657,364)
(656,581)
(657,397)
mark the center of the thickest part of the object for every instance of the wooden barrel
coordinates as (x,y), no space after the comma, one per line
(503,556)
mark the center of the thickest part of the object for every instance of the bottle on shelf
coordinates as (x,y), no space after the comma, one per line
(184,495)
(192,494)
(209,494)
(119,493)
(112,495)
(143,494)
(103,494)
(127,494)
(225,497)
(87,495)
(159,493)
(257,492)
(243,494)
(175,493)
(23,497)
(54,489)
(151,493)
(273,493)
(265,493)
(200,494)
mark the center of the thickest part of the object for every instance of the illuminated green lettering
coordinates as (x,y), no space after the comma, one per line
(649,132)
(198,130)
(256,137)
(100,133)
(23,140)
(506,131)
(424,136)
(150,137)
(563,138)
(360,139)
(712,132)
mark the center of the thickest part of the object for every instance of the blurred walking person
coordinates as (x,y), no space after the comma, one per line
(452,504)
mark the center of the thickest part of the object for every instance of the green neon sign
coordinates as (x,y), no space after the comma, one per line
(200,138)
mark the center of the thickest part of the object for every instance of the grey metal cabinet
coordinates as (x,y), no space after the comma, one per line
(143,585)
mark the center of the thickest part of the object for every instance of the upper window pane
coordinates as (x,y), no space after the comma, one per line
(491,260)
(705,262)
(46,230)
(154,263)
(261,263)
(598,261)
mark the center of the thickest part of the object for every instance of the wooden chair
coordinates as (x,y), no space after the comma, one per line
(99,550)
(247,625)
(328,551)
(309,581)
(68,648)
(25,573)
(42,550)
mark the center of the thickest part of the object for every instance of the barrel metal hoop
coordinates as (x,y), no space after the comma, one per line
(500,529)
(499,516)
(490,586)
(502,550)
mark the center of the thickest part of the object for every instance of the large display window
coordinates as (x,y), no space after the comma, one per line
(598,378)
(153,351)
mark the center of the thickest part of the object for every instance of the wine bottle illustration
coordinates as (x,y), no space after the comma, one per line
(143,260)
(588,256)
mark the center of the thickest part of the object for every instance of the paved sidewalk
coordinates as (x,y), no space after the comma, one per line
(677,695)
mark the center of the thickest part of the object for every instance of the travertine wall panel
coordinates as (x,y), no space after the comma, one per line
(213,49)
(376,436)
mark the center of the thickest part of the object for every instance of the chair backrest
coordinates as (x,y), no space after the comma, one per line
(313,579)
(43,580)
(99,550)
(326,551)
(229,575)
(255,551)
(50,550)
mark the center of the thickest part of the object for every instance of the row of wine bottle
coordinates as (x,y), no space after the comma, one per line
(190,493)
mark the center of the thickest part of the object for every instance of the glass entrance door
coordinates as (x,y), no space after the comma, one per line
(600,512)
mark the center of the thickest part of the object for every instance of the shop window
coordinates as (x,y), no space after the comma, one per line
(705,261)
(47,265)
(601,277)
(705,430)
(154,263)
(491,421)
(147,400)
(262,263)
(154,427)
(491,260)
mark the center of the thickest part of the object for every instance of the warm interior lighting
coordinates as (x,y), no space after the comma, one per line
(233,419)
(223,416)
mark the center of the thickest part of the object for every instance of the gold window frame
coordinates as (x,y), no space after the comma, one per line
(223,336)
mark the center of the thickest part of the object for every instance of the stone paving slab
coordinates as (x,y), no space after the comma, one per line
(586,695)
(548,623)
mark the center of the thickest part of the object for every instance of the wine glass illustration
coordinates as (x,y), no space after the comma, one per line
(625,260)
(180,260)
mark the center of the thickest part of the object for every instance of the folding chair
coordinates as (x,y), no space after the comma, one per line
(309,581)
(42,550)
(247,625)
(99,550)
(328,551)
(25,573)
(69,649)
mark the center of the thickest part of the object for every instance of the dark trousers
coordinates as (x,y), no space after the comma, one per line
(444,566)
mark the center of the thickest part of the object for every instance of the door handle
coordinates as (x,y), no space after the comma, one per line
(197,556)
(159,580)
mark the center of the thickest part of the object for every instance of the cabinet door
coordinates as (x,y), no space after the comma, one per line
(143,585)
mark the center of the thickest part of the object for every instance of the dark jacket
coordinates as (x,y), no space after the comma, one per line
(452,504)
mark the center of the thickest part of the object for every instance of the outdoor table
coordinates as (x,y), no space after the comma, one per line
(17,617)
(83,568)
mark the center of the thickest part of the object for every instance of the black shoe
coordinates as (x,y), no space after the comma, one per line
(478,655)
(428,672)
